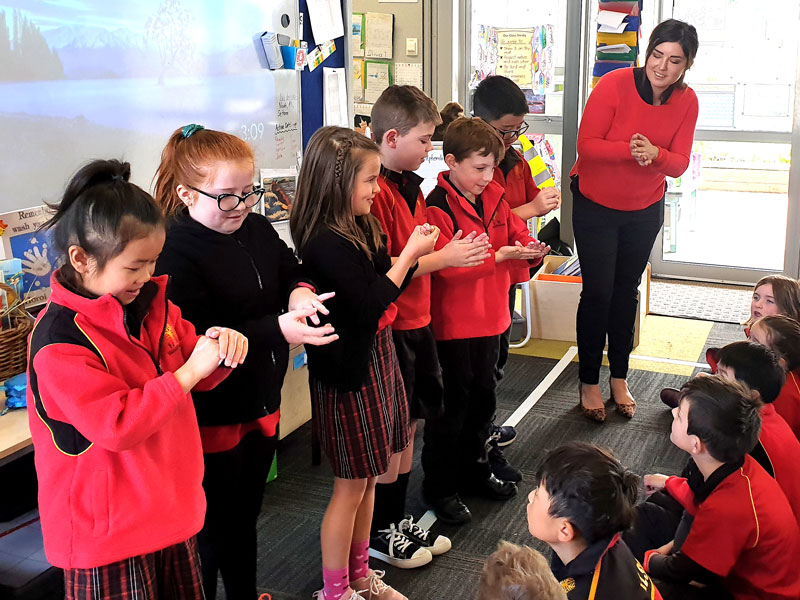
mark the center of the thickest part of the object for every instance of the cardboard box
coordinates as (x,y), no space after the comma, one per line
(295,397)
(554,304)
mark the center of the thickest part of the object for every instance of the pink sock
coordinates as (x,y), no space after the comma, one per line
(334,583)
(359,559)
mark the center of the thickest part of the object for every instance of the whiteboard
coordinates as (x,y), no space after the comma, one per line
(100,79)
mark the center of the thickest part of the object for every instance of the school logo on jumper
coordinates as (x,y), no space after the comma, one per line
(568,584)
(169,333)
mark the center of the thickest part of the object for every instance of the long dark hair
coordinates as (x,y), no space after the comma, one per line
(325,186)
(684,34)
(101,211)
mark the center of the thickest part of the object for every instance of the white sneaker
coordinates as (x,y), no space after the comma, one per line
(436,544)
(394,548)
(320,595)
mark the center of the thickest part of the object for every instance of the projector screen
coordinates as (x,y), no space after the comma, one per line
(84,79)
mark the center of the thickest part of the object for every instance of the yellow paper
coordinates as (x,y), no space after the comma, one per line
(514,55)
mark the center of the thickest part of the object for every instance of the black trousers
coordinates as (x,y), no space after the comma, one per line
(234,486)
(454,445)
(505,337)
(613,248)
(419,367)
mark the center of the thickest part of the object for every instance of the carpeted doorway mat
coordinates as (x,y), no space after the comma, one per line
(704,301)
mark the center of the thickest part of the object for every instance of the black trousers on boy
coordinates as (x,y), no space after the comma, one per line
(613,248)
(505,337)
(454,453)
(234,486)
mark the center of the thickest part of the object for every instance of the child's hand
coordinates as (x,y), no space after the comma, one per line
(654,483)
(548,199)
(296,331)
(302,297)
(232,345)
(201,363)
(666,549)
(532,251)
(422,241)
(470,251)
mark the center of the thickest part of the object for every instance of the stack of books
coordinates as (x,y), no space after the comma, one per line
(618,35)
(567,272)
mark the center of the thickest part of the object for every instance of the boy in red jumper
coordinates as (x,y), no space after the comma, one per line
(403,121)
(501,103)
(469,311)
(738,529)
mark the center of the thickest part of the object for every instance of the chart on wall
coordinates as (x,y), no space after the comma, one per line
(524,55)
(90,78)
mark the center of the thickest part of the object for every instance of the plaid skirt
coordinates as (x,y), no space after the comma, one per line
(359,431)
(169,574)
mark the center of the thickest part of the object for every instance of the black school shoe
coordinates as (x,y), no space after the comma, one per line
(491,488)
(503,435)
(424,538)
(500,466)
(450,509)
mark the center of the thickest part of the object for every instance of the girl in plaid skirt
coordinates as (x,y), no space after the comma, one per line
(358,400)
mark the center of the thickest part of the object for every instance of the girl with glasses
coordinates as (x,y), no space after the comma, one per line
(229,266)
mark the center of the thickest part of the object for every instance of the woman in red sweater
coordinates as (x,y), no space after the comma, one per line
(637,128)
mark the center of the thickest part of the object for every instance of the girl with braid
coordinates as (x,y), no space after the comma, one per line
(360,413)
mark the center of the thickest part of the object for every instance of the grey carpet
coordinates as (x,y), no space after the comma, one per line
(704,301)
(289,554)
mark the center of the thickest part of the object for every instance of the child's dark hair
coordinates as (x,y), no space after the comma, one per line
(590,488)
(190,158)
(514,572)
(684,34)
(783,337)
(466,136)
(498,96)
(402,107)
(723,415)
(756,366)
(101,211)
(325,186)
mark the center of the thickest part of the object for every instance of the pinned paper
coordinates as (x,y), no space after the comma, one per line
(357,34)
(314,58)
(334,97)
(514,55)
(378,35)
(377,77)
(326,20)
(358,80)
(408,74)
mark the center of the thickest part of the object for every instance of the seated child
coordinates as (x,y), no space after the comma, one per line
(738,529)
(515,572)
(781,334)
(584,501)
(758,369)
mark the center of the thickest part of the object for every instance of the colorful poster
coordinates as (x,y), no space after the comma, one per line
(21,239)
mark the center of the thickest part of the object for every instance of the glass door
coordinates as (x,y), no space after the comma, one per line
(729,217)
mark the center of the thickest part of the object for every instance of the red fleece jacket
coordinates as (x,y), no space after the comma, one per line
(471,302)
(118,452)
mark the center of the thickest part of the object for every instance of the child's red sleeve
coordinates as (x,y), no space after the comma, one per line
(518,230)
(75,387)
(442,220)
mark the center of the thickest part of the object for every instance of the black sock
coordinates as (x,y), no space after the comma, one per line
(399,502)
(382,512)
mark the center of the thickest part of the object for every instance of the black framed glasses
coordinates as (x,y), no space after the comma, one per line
(229,202)
(511,133)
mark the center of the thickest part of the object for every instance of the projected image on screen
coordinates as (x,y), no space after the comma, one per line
(89,78)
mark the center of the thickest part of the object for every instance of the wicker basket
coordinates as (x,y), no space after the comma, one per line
(14,341)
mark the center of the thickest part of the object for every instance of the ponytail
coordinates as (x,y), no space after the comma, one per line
(190,158)
(101,211)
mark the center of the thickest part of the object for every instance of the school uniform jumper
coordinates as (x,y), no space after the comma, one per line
(469,311)
(515,176)
(400,207)
(242,281)
(618,206)
(741,529)
(605,570)
(359,409)
(787,404)
(118,452)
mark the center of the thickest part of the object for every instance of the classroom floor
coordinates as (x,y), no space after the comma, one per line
(289,554)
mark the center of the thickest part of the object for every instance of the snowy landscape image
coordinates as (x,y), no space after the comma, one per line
(83,79)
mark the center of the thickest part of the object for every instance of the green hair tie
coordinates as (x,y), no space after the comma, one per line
(189,130)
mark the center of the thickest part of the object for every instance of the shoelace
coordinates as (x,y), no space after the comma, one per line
(376,584)
(416,530)
(396,540)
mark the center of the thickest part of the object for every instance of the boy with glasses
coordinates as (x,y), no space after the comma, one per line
(501,103)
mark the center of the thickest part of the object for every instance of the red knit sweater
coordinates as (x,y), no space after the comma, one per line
(609,175)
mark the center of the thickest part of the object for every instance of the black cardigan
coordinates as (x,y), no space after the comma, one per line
(363,293)
(242,281)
